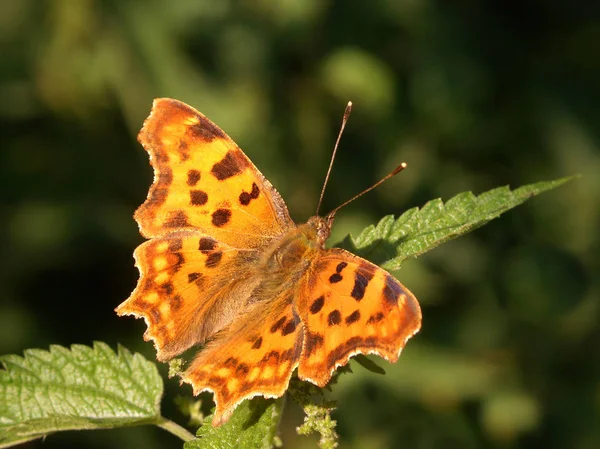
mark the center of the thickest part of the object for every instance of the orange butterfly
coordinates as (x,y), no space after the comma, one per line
(227,268)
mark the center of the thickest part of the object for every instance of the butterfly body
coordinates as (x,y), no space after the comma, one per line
(227,268)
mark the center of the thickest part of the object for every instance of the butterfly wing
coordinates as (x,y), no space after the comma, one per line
(255,356)
(204,182)
(350,306)
(191,286)
(208,213)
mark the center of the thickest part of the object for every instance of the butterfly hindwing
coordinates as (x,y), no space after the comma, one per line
(350,306)
(256,355)
(204,182)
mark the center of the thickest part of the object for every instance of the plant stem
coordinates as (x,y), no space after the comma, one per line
(175,429)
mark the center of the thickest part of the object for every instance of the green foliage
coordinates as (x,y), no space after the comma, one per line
(317,412)
(417,231)
(191,408)
(80,388)
(252,425)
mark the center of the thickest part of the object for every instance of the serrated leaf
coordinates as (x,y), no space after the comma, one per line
(252,425)
(417,231)
(81,388)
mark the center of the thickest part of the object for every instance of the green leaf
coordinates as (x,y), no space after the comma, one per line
(417,231)
(253,425)
(80,388)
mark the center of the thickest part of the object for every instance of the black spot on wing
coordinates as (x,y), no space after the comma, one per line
(198,197)
(207,244)
(167,288)
(373,319)
(193,277)
(242,369)
(317,305)
(287,355)
(232,164)
(334,318)
(391,290)
(289,328)
(335,278)
(176,219)
(340,267)
(278,324)
(176,302)
(313,342)
(193,176)
(231,362)
(257,343)
(246,197)
(362,277)
(353,317)
(184,152)
(271,358)
(213,259)
(221,217)
(206,130)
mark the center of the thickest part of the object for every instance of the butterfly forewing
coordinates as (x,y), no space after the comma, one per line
(204,182)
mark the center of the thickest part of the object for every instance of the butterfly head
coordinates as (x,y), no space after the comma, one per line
(322,227)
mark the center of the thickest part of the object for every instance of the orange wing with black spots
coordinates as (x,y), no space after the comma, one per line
(204,182)
(189,289)
(350,306)
(255,356)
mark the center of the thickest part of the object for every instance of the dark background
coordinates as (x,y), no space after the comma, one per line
(471,94)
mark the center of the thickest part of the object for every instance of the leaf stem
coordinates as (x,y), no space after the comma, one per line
(175,429)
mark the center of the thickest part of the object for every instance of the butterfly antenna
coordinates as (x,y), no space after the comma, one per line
(344,120)
(394,172)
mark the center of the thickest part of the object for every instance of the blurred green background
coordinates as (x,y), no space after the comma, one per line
(472,95)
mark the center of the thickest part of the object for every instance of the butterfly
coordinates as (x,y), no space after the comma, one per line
(226,268)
